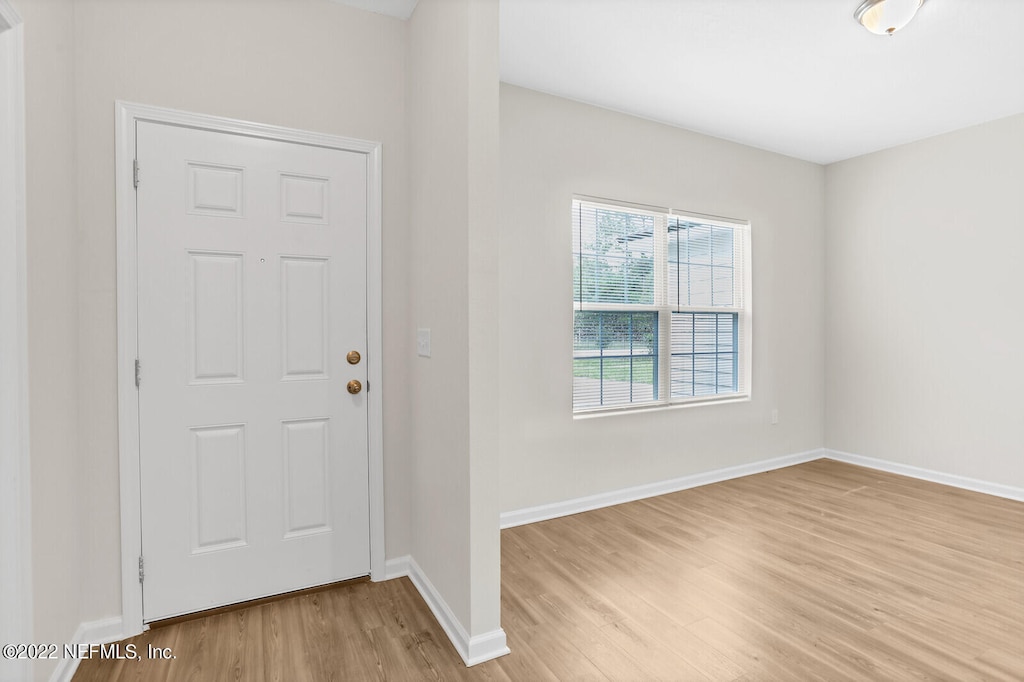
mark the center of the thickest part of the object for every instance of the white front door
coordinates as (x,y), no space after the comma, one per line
(251,294)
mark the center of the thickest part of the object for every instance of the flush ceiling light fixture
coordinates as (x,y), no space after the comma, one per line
(885,17)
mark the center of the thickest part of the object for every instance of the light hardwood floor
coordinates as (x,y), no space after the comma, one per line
(822,571)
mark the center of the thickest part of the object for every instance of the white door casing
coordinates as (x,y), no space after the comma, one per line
(251,284)
(15,488)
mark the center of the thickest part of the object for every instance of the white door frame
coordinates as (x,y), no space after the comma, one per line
(15,484)
(127,328)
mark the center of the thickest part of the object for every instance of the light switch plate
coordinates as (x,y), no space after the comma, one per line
(423,343)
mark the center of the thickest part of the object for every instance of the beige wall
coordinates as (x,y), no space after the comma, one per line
(923,262)
(306,64)
(483,170)
(552,148)
(453,78)
(52,264)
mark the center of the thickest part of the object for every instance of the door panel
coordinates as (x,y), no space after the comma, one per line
(252,288)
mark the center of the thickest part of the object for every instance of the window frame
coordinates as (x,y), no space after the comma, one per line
(665,309)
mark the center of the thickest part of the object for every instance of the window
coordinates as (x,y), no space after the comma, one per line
(661,302)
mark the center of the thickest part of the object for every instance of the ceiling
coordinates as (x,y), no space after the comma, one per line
(798,77)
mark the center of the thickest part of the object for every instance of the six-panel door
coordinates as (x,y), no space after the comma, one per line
(252,290)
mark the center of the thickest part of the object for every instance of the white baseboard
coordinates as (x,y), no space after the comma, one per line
(473,650)
(485,647)
(397,568)
(544,512)
(997,489)
(94,632)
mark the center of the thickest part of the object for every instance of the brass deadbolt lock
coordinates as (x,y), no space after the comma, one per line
(354,386)
(353,357)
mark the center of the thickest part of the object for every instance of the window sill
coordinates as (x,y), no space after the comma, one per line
(657,407)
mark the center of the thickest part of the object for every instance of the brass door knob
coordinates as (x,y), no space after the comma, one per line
(354,386)
(353,357)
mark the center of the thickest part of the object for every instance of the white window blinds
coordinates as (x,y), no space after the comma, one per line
(661,306)
(614,254)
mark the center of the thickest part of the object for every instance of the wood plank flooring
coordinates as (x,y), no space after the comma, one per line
(822,571)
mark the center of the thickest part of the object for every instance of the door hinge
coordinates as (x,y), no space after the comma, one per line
(135,173)
(142,573)
(138,373)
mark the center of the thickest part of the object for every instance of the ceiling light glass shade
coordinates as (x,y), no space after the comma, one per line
(885,17)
